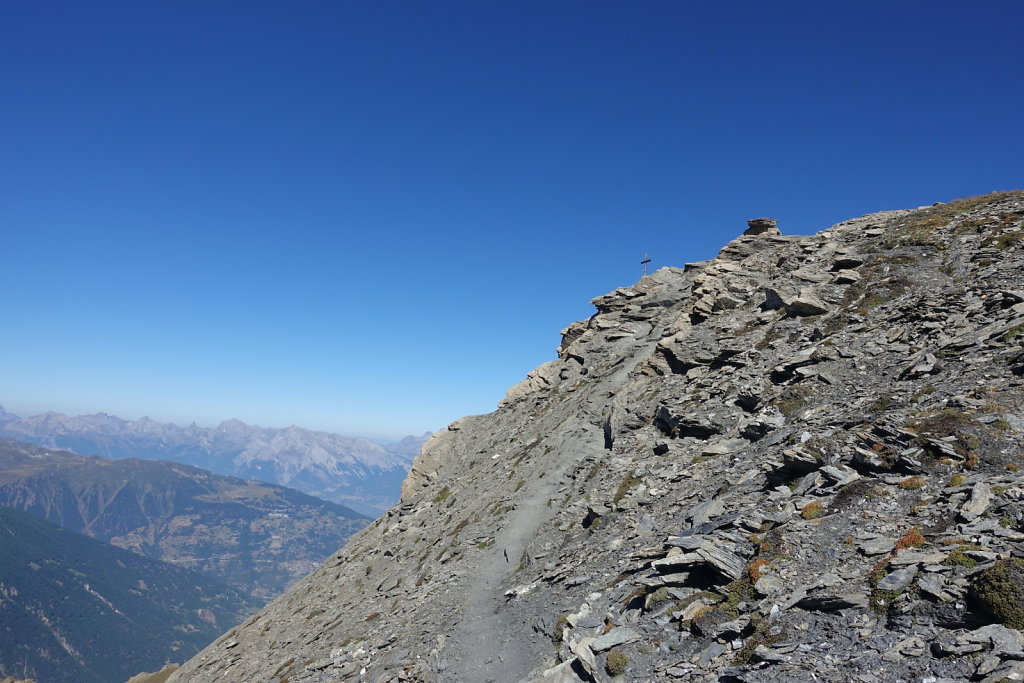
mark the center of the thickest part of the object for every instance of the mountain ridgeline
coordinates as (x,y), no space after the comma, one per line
(254,536)
(801,457)
(355,472)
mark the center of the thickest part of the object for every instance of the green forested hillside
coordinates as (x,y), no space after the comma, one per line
(254,536)
(75,609)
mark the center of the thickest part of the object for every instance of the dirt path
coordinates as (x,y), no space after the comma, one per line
(490,645)
(490,648)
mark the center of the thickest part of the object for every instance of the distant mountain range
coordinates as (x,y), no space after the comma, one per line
(256,537)
(355,472)
(75,609)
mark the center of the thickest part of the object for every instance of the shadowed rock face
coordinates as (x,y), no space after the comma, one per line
(790,458)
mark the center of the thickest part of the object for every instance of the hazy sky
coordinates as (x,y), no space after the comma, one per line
(375,217)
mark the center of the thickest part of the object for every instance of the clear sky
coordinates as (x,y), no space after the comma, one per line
(375,217)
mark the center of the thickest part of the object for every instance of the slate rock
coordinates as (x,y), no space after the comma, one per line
(981,497)
(876,546)
(898,580)
(620,635)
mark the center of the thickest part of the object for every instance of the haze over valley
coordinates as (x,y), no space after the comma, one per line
(355,472)
(210,547)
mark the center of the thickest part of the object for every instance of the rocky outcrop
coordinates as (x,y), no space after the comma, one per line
(797,457)
(762,226)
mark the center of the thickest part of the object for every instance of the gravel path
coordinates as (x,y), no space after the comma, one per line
(492,644)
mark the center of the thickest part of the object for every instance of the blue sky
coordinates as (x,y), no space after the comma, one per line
(375,217)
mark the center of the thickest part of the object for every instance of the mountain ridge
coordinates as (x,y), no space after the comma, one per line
(802,456)
(351,471)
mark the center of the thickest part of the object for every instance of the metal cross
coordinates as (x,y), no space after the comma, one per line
(644,264)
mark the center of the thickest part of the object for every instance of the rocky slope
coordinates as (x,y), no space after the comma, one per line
(354,472)
(798,460)
(75,609)
(256,537)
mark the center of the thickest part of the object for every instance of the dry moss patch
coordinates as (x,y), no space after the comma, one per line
(999,592)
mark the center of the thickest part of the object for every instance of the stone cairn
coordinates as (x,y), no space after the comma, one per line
(762,226)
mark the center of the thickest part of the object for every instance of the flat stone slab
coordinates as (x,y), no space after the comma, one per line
(620,635)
